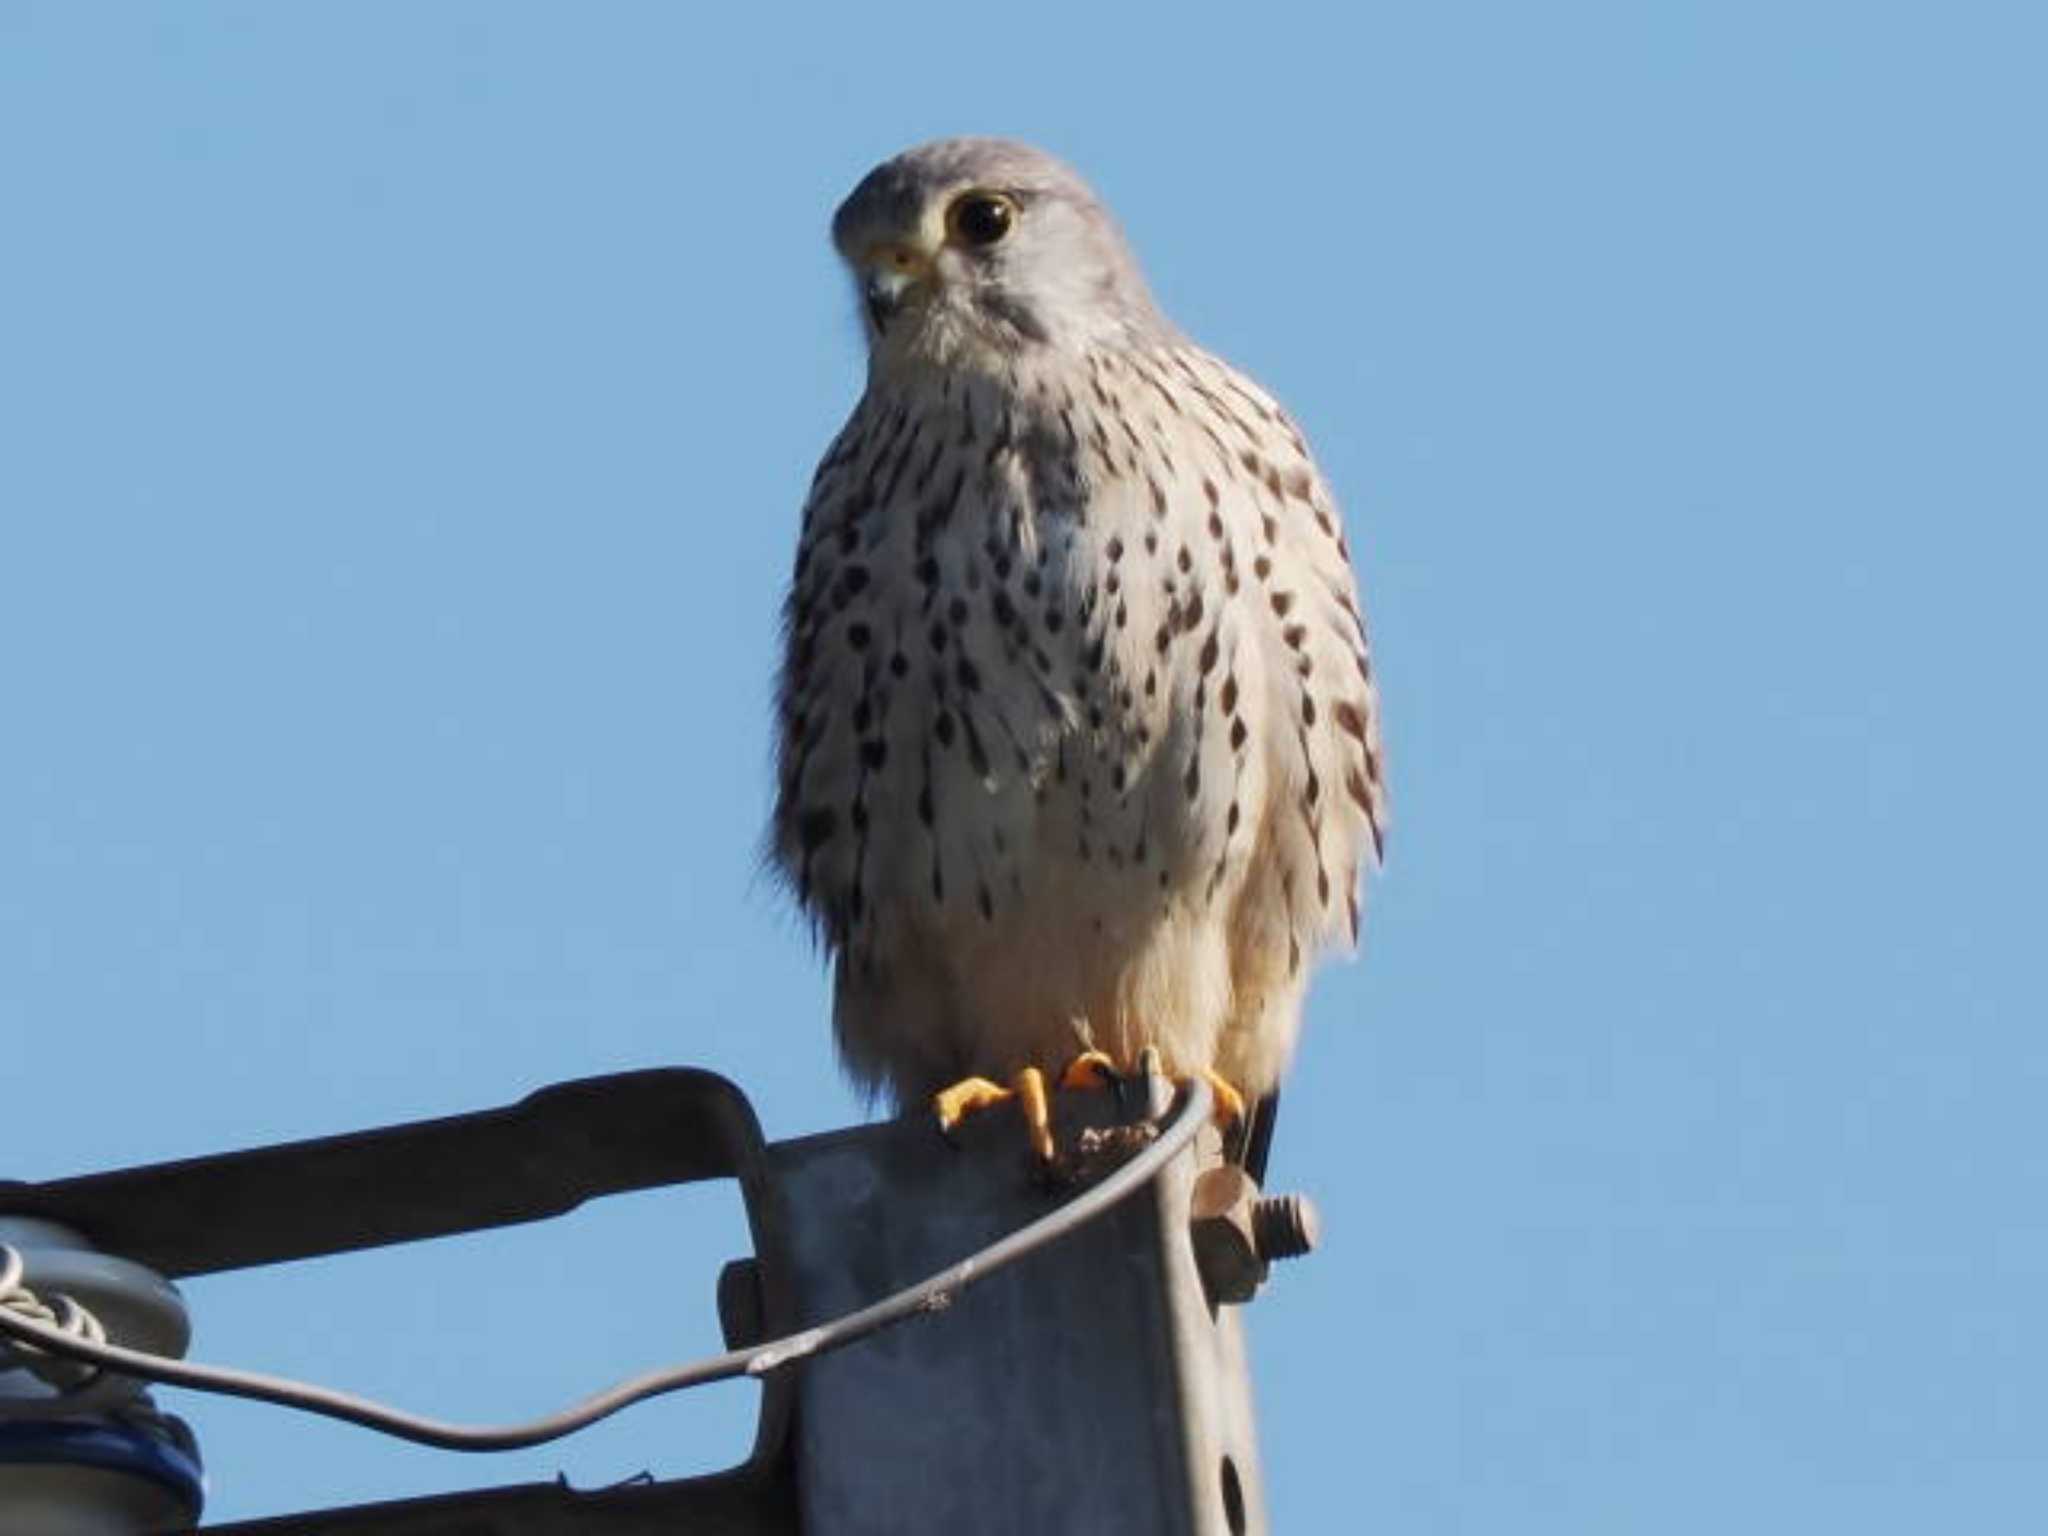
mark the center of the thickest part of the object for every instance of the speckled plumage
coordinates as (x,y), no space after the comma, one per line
(1079,743)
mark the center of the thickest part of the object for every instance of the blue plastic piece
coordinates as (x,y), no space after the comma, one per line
(109,1447)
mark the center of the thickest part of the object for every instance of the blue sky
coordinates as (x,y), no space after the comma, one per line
(403,416)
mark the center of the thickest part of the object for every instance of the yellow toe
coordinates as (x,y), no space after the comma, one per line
(1090,1069)
(973,1094)
(954,1104)
(1029,1086)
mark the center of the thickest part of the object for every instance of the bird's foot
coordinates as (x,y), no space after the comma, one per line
(970,1095)
(1094,1069)
(1090,1070)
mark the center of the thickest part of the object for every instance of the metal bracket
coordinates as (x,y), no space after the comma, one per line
(1093,1387)
(541,1157)
(1090,1390)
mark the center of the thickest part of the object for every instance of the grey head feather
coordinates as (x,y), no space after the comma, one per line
(1064,275)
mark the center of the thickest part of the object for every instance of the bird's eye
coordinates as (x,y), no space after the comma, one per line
(981,218)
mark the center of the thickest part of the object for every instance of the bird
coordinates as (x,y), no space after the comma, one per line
(1078,739)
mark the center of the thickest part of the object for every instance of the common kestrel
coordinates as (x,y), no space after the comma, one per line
(1079,741)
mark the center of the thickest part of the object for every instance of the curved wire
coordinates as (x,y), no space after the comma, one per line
(934,1294)
(70,1380)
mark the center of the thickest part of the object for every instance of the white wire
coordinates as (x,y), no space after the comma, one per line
(934,1294)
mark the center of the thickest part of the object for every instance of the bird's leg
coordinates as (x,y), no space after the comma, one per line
(954,1104)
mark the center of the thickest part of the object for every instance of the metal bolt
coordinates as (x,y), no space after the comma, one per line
(1285,1227)
(1220,1227)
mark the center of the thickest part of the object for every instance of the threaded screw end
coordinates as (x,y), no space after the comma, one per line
(1285,1227)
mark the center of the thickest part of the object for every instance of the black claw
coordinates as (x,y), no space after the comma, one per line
(1118,1084)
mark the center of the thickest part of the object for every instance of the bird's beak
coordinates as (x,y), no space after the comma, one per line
(888,276)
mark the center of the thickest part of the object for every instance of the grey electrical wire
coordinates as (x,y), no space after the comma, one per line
(60,1314)
(931,1295)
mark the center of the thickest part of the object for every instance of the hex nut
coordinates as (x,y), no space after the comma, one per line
(1220,1227)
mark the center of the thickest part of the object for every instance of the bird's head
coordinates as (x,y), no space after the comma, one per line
(968,252)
